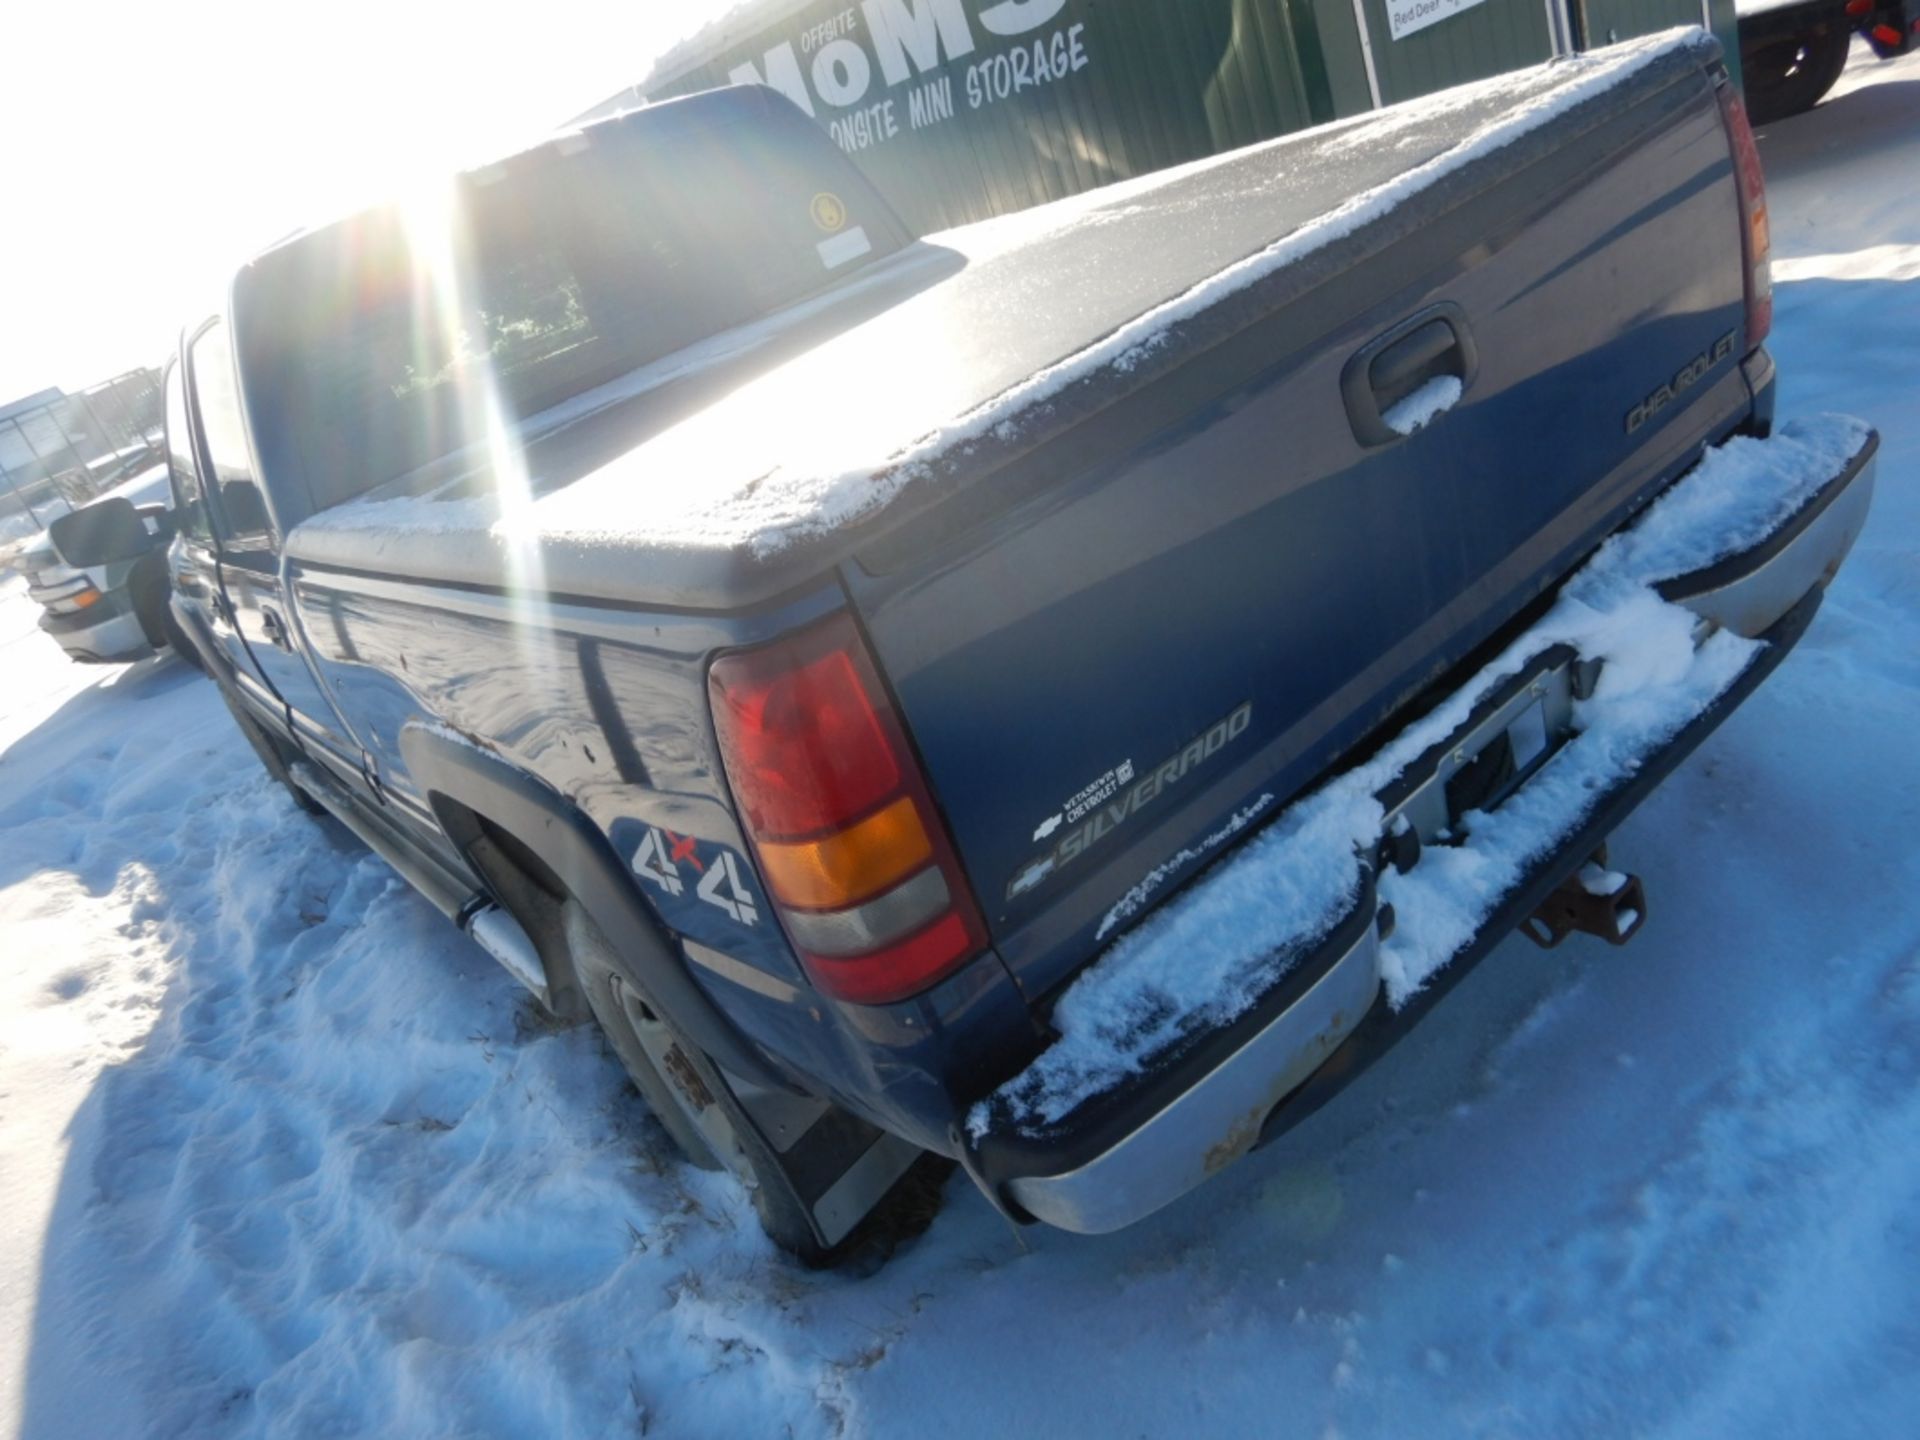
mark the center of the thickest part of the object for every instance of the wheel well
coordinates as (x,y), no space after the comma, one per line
(527,888)
(534,848)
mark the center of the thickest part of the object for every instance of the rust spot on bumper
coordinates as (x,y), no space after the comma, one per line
(1245,1131)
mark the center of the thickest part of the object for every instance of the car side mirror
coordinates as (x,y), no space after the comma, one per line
(244,507)
(100,534)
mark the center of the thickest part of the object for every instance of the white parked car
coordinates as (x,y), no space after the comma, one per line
(99,574)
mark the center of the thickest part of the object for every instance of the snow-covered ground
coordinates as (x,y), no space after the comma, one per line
(280,1154)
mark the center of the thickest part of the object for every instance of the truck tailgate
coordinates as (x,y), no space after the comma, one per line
(1148,630)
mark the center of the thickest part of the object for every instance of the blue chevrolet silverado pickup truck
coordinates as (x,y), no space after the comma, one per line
(1055,695)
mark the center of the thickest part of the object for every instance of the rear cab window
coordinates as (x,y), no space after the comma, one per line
(377,345)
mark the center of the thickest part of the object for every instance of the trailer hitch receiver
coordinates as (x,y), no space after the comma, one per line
(1594,901)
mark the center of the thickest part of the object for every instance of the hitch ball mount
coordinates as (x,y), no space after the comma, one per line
(1594,900)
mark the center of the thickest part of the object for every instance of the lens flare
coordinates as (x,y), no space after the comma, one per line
(453,352)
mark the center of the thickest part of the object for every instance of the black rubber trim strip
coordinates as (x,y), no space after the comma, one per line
(1763,382)
(1383,1027)
(447,770)
(1736,567)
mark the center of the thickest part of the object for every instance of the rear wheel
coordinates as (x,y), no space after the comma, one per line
(1785,77)
(835,1168)
(686,1092)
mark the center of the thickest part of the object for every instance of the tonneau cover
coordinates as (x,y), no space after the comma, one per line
(737,469)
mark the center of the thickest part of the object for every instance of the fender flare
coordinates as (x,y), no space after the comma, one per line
(464,784)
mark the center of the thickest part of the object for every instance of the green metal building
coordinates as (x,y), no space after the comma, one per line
(961,109)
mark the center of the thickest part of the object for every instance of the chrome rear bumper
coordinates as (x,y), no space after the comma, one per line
(1202,1130)
(1749,592)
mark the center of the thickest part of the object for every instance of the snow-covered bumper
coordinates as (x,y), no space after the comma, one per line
(1501,793)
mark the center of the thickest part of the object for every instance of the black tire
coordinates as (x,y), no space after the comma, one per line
(688,1094)
(1785,77)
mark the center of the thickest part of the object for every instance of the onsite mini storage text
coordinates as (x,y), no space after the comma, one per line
(875,63)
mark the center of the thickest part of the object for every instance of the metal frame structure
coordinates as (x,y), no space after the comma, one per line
(85,442)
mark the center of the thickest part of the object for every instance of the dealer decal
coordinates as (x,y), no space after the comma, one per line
(827,211)
(1101,807)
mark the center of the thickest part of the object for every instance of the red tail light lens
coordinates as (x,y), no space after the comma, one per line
(1755,244)
(808,751)
(852,851)
(901,971)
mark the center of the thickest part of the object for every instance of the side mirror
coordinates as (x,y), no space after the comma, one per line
(100,534)
(244,507)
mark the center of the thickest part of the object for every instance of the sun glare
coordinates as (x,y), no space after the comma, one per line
(151,148)
(451,346)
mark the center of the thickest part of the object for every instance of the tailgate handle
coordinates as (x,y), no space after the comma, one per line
(1391,366)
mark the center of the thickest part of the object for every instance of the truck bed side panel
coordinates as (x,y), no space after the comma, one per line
(607,706)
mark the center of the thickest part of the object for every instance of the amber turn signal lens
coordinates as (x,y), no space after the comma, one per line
(849,865)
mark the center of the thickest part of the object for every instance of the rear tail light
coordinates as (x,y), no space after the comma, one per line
(853,853)
(1755,244)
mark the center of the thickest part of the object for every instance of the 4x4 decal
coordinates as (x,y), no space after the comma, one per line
(654,861)
(721,886)
(658,860)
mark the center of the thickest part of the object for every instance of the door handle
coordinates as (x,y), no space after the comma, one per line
(276,629)
(1428,345)
(1410,358)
